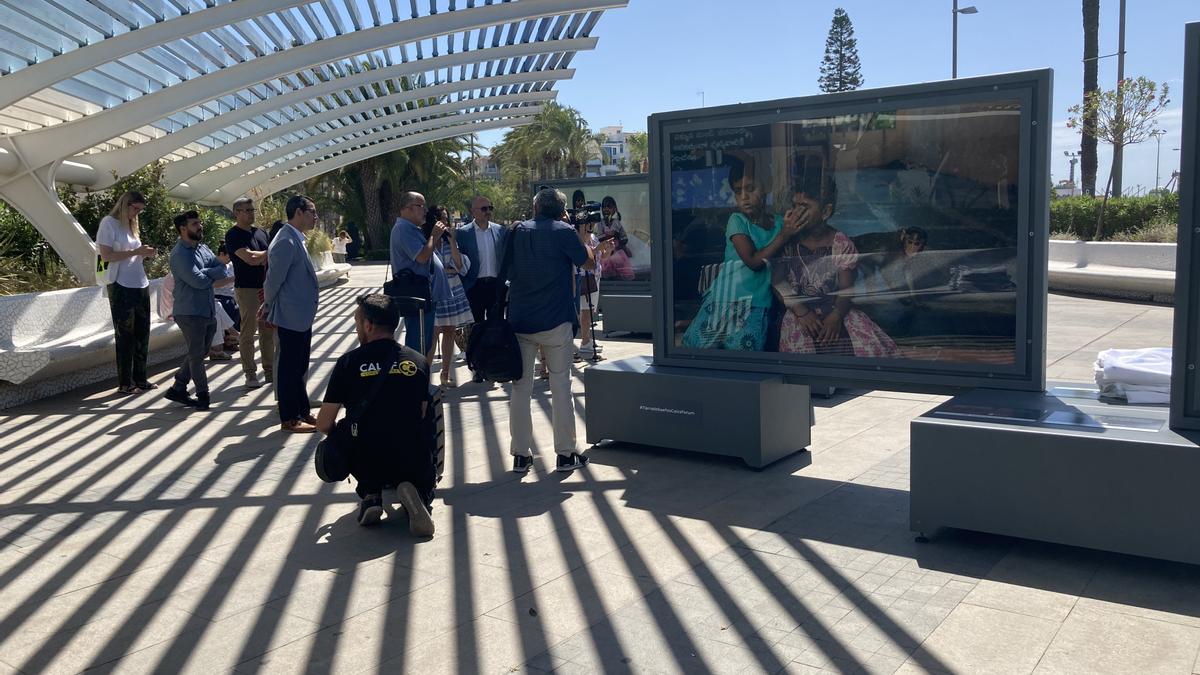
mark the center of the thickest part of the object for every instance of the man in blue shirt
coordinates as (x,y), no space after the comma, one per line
(541,309)
(412,250)
(196,271)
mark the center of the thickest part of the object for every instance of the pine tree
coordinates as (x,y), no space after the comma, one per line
(840,69)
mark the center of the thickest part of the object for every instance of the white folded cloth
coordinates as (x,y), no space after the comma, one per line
(1136,375)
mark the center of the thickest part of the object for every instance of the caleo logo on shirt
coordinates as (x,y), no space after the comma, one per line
(405,368)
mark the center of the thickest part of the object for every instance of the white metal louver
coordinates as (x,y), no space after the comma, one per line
(252,96)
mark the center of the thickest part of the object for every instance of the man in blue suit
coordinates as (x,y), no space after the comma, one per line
(482,241)
(290,304)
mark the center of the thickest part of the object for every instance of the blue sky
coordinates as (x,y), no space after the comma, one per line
(656,55)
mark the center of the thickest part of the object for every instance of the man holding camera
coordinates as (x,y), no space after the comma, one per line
(541,309)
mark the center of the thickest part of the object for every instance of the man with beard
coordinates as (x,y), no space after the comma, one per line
(196,271)
(290,296)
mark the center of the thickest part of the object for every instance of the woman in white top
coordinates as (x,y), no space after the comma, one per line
(128,290)
(339,246)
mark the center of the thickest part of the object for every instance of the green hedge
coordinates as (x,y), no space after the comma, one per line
(1123,214)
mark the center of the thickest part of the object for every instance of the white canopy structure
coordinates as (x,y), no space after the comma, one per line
(247,97)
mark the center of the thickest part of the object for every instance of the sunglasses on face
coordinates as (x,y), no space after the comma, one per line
(487,208)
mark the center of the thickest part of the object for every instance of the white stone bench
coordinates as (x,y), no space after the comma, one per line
(1114,269)
(56,341)
(328,272)
(51,333)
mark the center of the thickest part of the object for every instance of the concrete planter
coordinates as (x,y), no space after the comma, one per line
(1114,269)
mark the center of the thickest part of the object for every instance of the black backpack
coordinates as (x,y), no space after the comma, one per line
(492,350)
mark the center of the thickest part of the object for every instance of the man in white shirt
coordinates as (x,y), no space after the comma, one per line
(482,241)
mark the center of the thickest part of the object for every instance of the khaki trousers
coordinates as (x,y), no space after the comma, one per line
(558,347)
(248,304)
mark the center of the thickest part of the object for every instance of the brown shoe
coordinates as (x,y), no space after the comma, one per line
(308,419)
(297,427)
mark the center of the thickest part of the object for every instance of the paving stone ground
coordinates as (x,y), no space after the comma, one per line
(136,537)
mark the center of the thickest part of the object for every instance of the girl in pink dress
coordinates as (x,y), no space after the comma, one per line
(814,278)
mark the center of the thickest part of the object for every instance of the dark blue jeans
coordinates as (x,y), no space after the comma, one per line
(412,332)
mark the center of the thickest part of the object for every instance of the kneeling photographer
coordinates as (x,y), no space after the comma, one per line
(384,387)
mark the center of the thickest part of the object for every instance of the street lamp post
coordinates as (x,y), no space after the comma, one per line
(954,48)
(1072,157)
(1157,134)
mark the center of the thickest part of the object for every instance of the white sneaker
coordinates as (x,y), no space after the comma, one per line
(590,348)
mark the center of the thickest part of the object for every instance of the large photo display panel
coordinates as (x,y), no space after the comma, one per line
(624,204)
(1185,386)
(892,239)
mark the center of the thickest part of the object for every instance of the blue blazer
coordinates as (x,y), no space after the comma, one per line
(290,290)
(469,247)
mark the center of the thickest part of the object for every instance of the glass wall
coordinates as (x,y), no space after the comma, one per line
(890,238)
(624,206)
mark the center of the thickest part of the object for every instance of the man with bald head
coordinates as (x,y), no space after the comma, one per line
(413,251)
(482,241)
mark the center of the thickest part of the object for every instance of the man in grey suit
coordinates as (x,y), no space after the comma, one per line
(290,304)
(482,241)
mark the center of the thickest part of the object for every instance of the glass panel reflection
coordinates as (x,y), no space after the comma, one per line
(885,235)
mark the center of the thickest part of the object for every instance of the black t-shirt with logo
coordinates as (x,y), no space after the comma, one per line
(246,275)
(393,417)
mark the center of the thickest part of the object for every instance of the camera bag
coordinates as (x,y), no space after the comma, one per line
(492,348)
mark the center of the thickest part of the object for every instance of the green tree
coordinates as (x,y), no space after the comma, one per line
(639,149)
(840,67)
(1120,117)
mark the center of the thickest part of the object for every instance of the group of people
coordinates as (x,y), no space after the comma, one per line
(786,279)
(270,291)
(275,293)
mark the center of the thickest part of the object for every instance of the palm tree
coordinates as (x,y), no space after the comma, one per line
(1091,52)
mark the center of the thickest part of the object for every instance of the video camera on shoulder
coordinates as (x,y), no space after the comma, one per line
(588,214)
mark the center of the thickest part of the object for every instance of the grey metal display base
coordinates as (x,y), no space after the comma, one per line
(1061,466)
(753,416)
(627,312)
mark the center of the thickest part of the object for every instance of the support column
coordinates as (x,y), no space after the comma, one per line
(32,194)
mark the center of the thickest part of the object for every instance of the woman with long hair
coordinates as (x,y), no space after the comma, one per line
(452,313)
(618,265)
(120,245)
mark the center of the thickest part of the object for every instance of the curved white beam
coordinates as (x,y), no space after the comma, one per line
(127,160)
(204,184)
(248,181)
(30,80)
(184,170)
(32,195)
(43,146)
(325,166)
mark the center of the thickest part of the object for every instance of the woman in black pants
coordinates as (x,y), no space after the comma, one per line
(128,290)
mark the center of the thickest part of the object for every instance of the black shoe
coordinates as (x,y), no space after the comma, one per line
(571,462)
(522,464)
(477,378)
(419,522)
(202,401)
(370,510)
(177,396)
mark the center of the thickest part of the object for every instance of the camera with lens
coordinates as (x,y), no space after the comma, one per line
(586,215)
